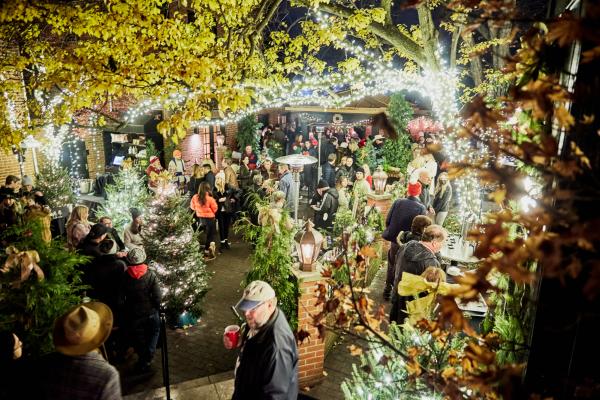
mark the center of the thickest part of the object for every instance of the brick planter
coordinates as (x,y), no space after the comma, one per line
(383,202)
(311,352)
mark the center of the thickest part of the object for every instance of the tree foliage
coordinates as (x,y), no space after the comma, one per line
(246,134)
(56,184)
(128,191)
(30,309)
(272,260)
(173,250)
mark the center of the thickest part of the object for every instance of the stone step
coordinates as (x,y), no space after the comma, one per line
(213,387)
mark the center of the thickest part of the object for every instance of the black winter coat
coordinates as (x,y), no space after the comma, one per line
(140,297)
(101,274)
(268,363)
(230,194)
(401,215)
(328,207)
(413,258)
(328,174)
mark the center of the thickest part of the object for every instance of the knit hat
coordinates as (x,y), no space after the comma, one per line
(27,180)
(153,159)
(136,256)
(97,231)
(359,169)
(135,212)
(256,293)
(322,184)
(108,246)
(414,189)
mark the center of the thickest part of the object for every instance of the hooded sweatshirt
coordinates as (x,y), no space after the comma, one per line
(141,292)
(325,214)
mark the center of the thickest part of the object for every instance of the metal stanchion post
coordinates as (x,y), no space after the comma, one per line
(165,354)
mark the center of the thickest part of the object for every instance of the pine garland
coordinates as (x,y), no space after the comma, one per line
(173,250)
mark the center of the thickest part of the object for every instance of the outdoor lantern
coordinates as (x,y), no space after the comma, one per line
(308,244)
(379,180)
(220,140)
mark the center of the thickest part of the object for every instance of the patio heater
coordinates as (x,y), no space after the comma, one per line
(296,163)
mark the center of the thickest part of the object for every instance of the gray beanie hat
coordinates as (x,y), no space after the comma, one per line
(136,256)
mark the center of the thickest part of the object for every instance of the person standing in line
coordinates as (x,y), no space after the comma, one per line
(286,185)
(206,207)
(196,179)
(227,200)
(341,185)
(328,170)
(442,199)
(113,234)
(132,232)
(230,175)
(414,258)
(78,226)
(325,204)
(209,175)
(267,365)
(142,297)
(425,196)
(399,219)
(77,370)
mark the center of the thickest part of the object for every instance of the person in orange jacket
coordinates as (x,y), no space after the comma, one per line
(205,207)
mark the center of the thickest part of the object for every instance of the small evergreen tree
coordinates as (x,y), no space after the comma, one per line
(173,250)
(30,308)
(272,258)
(247,132)
(56,184)
(128,191)
(397,153)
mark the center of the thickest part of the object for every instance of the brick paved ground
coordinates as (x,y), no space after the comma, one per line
(198,351)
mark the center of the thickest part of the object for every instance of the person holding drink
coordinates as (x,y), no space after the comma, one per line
(267,364)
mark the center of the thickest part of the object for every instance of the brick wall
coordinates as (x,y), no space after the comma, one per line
(192,149)
(230,135)
(10,166)
(311,352)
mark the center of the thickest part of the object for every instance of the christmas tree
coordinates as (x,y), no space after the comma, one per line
(173,250)
(128,191)
(56,184)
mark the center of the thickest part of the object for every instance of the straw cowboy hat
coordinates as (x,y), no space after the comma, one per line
(83,328)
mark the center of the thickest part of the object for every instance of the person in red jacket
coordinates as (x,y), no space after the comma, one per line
(205,207)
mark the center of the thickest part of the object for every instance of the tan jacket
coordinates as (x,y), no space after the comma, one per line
(230,177)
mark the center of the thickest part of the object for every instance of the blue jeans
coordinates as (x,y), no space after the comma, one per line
(146,331)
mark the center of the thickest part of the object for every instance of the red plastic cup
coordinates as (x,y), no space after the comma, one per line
(233,334)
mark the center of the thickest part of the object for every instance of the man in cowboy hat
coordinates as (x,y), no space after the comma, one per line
(267,366)
(78,370)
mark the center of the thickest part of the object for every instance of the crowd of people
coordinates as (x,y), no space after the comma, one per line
(127,296)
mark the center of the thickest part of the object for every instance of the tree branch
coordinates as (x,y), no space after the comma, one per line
(405,44)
